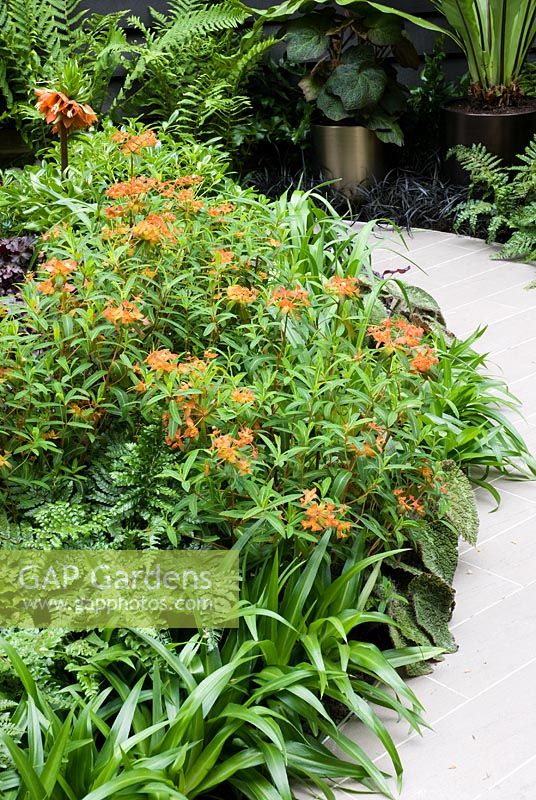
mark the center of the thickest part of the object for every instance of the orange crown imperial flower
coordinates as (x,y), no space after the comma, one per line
(58,109)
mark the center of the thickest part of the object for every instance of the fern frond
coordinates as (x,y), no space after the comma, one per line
(520,247)
(483,167)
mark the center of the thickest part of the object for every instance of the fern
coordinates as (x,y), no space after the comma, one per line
(193,67)
(508,199)
(37,37)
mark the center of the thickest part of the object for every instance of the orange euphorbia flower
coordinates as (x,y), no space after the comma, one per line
(133,143)
(58,109)
(242,396)
(154,229)
(57,267)
(289,300)
(408,502)
(424,360)
(186,199)
(125,312)
(133,188)
(189,180)
(162,360)
(320,516)
(46,287)
(343,287)
(396,333)
(223,256)
(367,451)
(221,210)
(227,448)
(241,294)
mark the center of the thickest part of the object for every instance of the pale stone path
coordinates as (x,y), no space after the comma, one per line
(481,701)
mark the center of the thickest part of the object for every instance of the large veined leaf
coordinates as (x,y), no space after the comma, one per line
(461,511)
(331,106)
(386,129)
(306,38)
(357,88)
(384,29)
(433,601)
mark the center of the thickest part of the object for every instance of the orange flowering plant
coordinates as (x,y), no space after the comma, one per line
(191,366)
(286,390)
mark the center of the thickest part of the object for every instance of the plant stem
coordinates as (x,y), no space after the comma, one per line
(64,152)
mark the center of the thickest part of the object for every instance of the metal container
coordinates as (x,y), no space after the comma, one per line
(506,135)
(348,154)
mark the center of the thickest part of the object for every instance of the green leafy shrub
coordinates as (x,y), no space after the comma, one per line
(193,68)
(351,78)
(507,199)
(192,366)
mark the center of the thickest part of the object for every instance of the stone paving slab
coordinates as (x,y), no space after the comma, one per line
(481,702)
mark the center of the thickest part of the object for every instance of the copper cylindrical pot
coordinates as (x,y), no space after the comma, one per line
(348,154)
(505,134)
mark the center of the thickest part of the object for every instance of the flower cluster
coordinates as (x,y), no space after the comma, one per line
(59,110)
(343,287)
(125,312)
(241,294)
(319,516)
(289,300)
(134,143)
(393,333)
(242,396)
(400,334)
(154,229)
(408,502)
(424,359)
(228,449)
(190,410)
(221,210)
(58,270)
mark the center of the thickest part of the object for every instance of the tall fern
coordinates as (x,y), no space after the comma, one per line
(506,202)
(193,67)
(37,37)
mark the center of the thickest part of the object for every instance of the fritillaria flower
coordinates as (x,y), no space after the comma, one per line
(65,115)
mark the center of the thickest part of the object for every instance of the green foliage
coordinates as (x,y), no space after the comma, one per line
(527,79)
(352,78)
(38,38)
(193,68)
(494,41)
(432,92)
(507,199)
(192,366)
(239,718)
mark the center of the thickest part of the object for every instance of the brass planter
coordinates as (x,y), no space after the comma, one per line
(505,135)
(348,154)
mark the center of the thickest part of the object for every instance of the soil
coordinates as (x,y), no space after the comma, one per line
(475,106)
